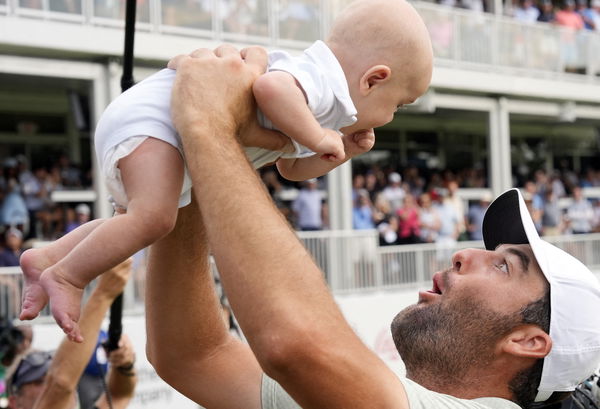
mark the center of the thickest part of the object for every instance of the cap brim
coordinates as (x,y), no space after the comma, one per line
(503,222)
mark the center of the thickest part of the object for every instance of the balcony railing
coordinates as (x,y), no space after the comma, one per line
(352,262)
(460,38)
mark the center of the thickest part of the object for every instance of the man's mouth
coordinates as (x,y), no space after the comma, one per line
(437,281)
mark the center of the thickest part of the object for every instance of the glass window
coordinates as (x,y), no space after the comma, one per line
(31,4)
(187,13)
(299,20)
(245,17)
(65,6)
(115,9)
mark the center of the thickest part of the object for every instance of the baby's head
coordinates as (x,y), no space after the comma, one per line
(384,49)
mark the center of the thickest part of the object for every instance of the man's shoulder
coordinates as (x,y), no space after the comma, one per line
(420,397)
(275,397)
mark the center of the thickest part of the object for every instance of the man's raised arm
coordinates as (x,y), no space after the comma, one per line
(188,343)
(277,292)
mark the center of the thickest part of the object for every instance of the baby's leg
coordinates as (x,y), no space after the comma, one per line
(152,177)
(35,261)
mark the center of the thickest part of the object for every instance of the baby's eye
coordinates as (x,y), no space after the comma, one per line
(502,267)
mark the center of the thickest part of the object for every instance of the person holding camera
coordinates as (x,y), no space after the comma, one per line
(45,381)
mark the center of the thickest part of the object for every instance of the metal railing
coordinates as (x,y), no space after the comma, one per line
(462,38)
(351,261)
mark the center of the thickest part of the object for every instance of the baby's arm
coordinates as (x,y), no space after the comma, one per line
(281,99)
(314,166)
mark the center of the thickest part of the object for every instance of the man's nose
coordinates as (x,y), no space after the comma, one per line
(463,260)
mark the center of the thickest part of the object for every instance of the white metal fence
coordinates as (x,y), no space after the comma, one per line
(351,261)
(463,38)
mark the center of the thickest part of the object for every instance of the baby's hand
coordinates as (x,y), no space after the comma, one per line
(331,146)
(358,142)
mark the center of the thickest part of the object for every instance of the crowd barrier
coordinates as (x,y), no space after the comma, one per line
(352,262)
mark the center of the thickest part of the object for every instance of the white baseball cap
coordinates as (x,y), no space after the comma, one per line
(574,296)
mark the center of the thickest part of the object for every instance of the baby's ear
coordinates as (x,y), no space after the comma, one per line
(374,76)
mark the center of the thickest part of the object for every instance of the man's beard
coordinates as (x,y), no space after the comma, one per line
(442,342)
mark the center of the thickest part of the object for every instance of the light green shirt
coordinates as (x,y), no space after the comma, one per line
(275,397)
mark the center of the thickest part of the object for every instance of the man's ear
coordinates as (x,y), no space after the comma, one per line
(528,341)
(374,76)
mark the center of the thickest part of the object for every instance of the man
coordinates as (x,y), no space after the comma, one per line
(475,340)
(43,381)
(308,207)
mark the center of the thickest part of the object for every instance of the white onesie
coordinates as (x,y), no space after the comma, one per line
(144,111)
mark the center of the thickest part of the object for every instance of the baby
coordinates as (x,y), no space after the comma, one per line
(376,59)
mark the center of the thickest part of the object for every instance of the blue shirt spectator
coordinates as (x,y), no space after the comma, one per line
(362,213)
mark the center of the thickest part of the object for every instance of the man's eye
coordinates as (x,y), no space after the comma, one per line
(503,267)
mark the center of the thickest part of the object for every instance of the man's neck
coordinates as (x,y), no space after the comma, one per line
(470,386)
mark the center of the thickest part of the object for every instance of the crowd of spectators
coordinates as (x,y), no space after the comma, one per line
(26,206)
(407,208)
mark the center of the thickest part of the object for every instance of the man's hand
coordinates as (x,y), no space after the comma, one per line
(113,281)
(124,355)
(358,143)
(203,91)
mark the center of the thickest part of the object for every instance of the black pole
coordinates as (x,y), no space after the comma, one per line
(127,78)
(115,326)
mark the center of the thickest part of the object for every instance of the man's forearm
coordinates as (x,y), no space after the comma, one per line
(71,358)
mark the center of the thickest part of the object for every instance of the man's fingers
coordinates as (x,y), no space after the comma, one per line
(255,57)
(226,50)
(176,61)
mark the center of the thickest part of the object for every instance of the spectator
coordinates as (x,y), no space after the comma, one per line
(413,180)
(43,381)
(552,215)
(596,223)
(358,184)
(308,207)
(385,221)
(547,12)
(382,209)
(429,219)
(475,217)
(526,12)
(388,231)
(449,228)
(362,213)
(583,10)
(82,216)
(572,22)
(91,382)
(394,192)
(70,175)
(580,213)
(408,221)
(535,202)
(372,184)
(37,197)
(456,203)
(9,257)
(568,17)
(592,16)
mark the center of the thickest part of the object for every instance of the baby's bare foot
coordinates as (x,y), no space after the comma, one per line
(33,263)
(65,301)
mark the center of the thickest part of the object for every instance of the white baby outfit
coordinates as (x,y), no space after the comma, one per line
(144,111)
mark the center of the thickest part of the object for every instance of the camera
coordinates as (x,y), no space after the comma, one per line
(10,339)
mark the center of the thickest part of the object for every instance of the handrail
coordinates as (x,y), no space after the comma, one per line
(461,38)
